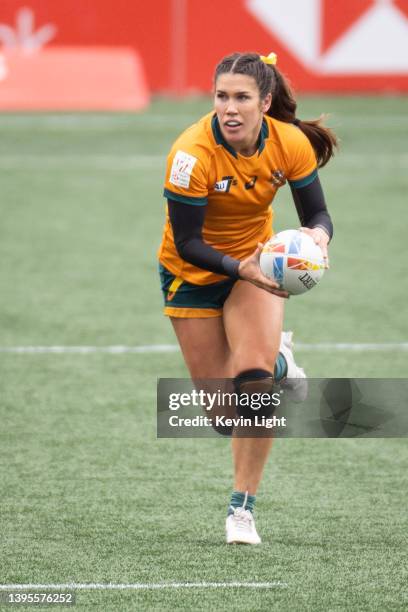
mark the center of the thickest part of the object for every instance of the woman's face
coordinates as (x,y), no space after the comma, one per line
(240,110)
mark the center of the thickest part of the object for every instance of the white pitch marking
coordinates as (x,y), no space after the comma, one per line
(84,350)
(173,348)
(73,161)
(352,346)
(139,586)
(86,122)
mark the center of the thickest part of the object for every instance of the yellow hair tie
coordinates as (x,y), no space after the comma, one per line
(271,59)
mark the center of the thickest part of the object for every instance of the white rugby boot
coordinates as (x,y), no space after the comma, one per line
(240,528)
(295,383)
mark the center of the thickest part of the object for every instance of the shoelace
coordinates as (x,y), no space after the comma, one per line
(242,518)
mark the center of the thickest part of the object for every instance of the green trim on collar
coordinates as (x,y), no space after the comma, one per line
(219,138)
(263,135)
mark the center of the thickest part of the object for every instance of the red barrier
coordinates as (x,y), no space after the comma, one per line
(323,45)
(73,78)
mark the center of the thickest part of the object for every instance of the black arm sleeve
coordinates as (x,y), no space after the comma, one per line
(187,222)
(311,206)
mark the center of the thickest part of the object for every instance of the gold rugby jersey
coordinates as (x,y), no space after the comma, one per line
(203,169)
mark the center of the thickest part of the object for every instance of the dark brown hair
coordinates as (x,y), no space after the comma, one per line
(283,107)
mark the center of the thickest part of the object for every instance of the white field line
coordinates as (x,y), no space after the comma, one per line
(352,346)
(97,122)
(73,161)
(95,586)
(173,348)
(80,161)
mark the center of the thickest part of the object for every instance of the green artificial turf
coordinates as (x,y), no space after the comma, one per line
(88,493)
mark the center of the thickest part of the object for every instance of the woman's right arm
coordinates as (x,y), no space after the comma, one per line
(187,222)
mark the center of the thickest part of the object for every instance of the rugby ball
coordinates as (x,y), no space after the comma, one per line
(293,260)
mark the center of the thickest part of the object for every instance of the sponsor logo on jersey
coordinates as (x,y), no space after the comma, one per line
(181,169)
(225,183)
(251,184)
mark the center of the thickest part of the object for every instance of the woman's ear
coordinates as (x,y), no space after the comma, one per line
(266,103)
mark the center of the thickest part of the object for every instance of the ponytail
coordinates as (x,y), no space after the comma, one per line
(283,108)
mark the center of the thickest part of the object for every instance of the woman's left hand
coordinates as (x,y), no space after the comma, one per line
(321,238)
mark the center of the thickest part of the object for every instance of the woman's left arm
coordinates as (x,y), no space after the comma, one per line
(313,214)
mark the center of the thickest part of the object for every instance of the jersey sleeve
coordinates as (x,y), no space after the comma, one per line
(186,177)
(302,161)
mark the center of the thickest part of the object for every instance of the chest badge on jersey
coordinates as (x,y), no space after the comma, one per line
(278,178)
(225,183)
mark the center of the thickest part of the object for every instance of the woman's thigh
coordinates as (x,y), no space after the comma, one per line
(204,346)
(253,320)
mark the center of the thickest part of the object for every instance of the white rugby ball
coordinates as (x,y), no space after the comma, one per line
(293,259)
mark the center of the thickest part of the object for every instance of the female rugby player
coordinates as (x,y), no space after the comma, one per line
(222,175)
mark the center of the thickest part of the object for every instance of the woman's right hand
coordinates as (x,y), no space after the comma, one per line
(250,271)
